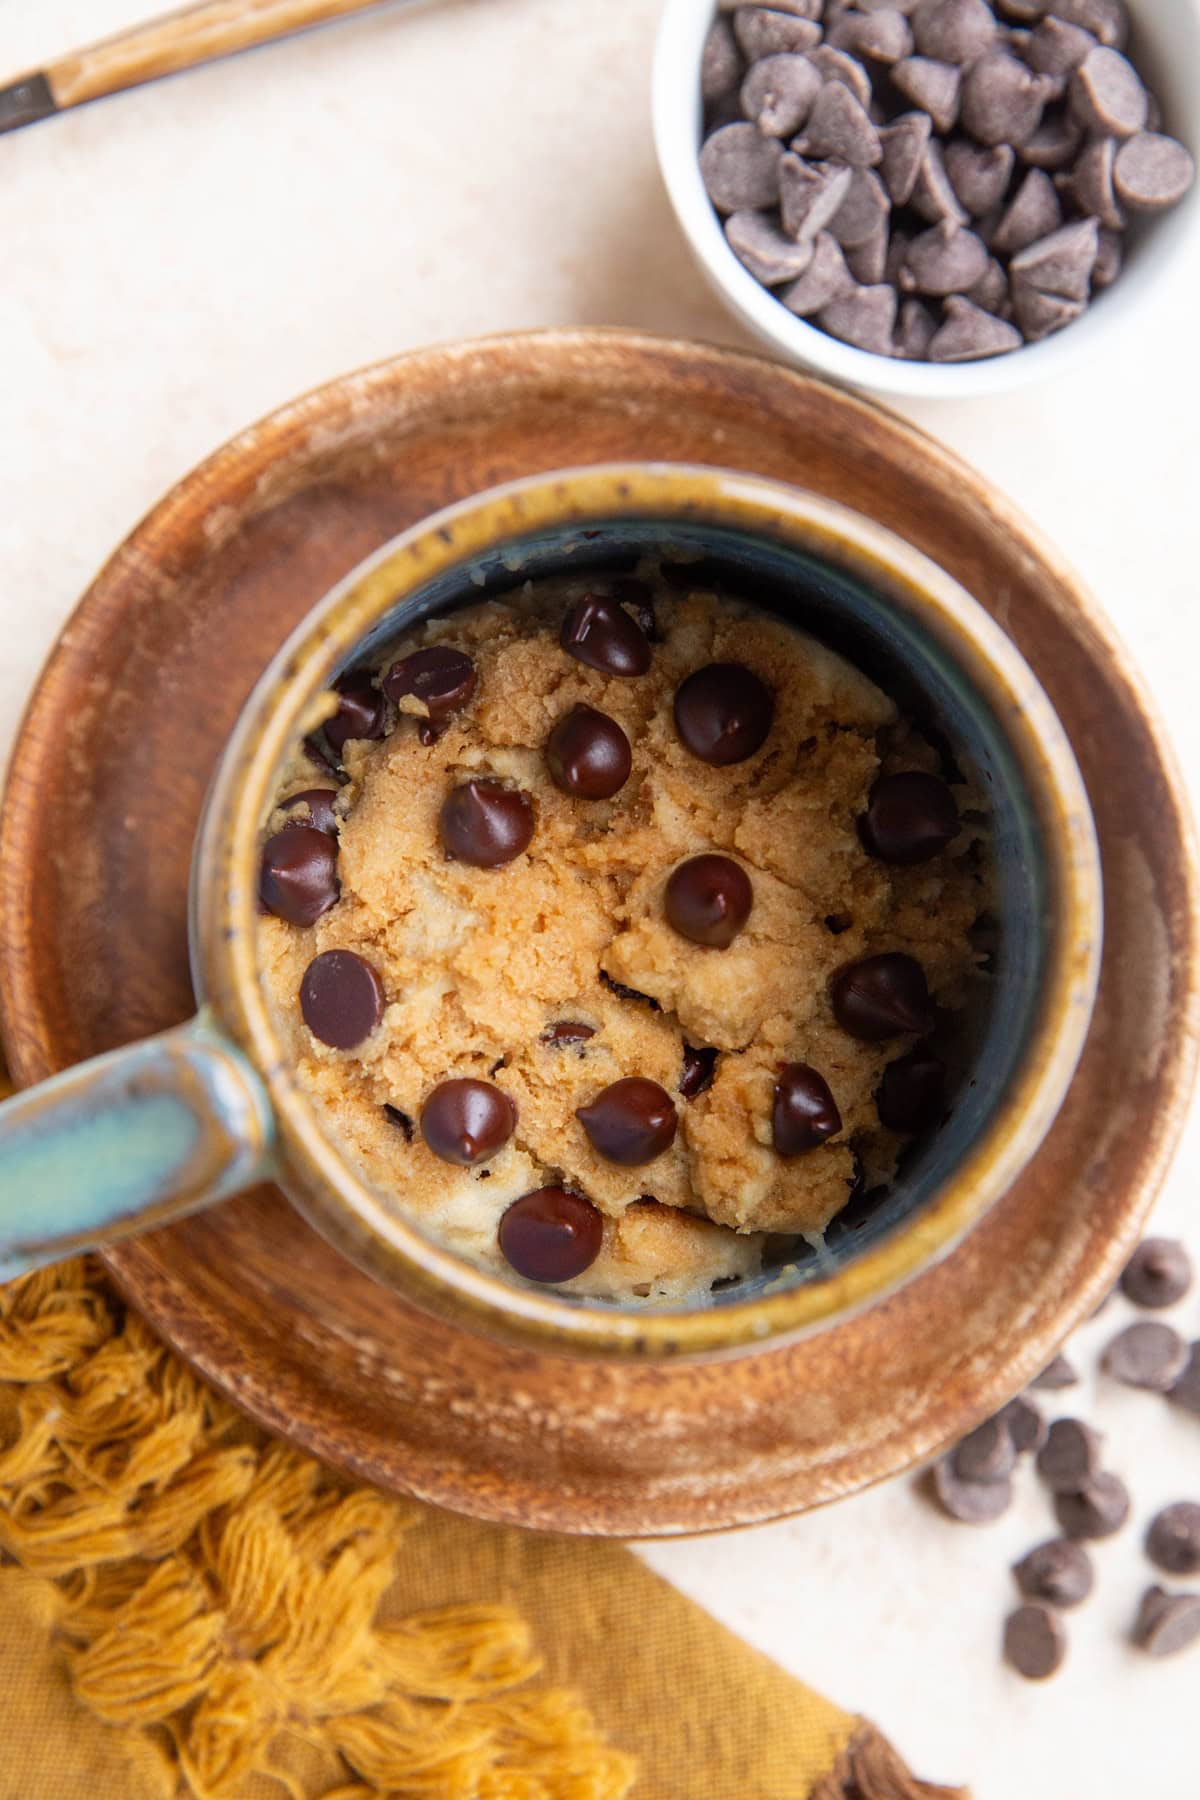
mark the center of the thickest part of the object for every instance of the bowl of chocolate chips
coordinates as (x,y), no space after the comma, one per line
(932,197)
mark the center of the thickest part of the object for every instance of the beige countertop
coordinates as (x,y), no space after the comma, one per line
(181,260)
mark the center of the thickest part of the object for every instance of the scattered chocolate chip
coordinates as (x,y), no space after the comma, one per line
(466,1121)
(882,997)
(630,1122)
(1035,1642)
(910,818)
(804,1113)
(778,93)
(600,633)
(318,804)
(771,255)
(1157,1274)
(1147,1355)
(912,1093)
(341,998)
(740,168)
(1152,171)
(445,679)
(1058,1373)
(568,1031)
(399,1119)
(1173,1538)
(985,1454)
(1070,1455)
(723,713)
(699,1067)
(1186,1392)
(1166,1623)
(1026,1426)
(551,1234)
(1096,1509)
(361,712)
(970,1502)
(1058,1571)
(297,878)
(708,900)
(485,824)
(588,754)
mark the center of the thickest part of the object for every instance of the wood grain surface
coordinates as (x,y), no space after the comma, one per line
(95,836)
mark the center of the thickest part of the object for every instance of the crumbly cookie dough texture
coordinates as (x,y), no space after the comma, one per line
(478,963)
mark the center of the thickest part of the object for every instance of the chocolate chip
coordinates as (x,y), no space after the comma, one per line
(445,679)
(720,61)
(1039,315)
(320,754)
(400,1119)
(1091,183)
(778,93)
(916,330)
(839,128)
(588,754)
(630,1122)
(1106,94)
(1173,1538)
(599,632)
(1157,1274)
(551,1234)
(985,1454)
(1033,212)
(708,900)
(1002,99)
(863,211)
(1057,48)
(699,1067)
(970,1502)
(810,195)
(1107,20)
(771,256)
(361,712)
(1035,1643)
(1166,1623)
(568,1031)
(835,65)
(1147,1355)
(804,1113)
(763,31)
(934,196)
(485,824)
(1057,1571)
(884,35)
(1058,1373)
(723,713)
(979,174)
(740,167)
(1025,1424)
(627,993)
(1070,1455)
(865,318)
(1060,264)
(634,593)
(1152,171)
(954,31)
(867,262)
(318,804)
(297,878)
(825,279)
(881,997)
(932,85)
(969,333)
(944,260)
(910,818)
(903,144)
(341,998)
(466,1121)
(1054,143)
(1096,1509)
(911,1096)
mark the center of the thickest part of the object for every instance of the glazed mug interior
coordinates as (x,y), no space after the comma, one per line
(927,643)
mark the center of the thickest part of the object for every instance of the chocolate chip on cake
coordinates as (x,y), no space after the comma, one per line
(298,878)
(1035,1641)
(599,632)
(568,1031)
(588,754)
(1059,1572)
(630,1122)
(1147,1355)
(551,1235)
(361,712)
(804,1114)
(441,678)
(882,997)
(1166,1623)
(723,713)
(1158,1274)
(708,900)
(486,824)
(699,1067)
(314,805)
(466,1121)
(1173,1538)
(910,818)
(341,998)
(911,1096)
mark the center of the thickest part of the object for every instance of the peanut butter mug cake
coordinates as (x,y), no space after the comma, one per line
(625,950)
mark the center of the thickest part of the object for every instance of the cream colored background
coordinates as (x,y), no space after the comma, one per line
(179,261)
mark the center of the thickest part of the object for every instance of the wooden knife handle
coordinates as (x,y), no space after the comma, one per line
(180,40)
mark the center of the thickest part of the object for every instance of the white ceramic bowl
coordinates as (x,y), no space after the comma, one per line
(1166,48)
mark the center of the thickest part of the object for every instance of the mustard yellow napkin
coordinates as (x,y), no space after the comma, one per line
(192,1610)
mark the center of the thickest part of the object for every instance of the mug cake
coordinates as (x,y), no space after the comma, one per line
(621,933)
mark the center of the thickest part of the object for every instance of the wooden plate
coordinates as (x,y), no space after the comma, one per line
(104,794)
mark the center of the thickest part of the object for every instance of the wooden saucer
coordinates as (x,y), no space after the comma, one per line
(103,797)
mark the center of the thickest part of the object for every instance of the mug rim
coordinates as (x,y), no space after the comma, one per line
(322,1183)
